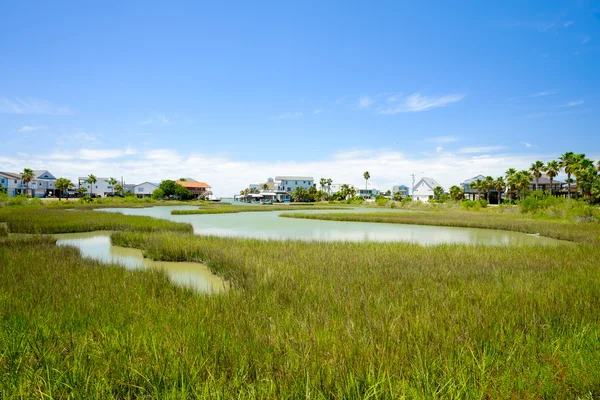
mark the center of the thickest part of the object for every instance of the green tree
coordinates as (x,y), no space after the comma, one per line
(456,193)
(119,188)
(536,170)
(158,194)
(265,186)
(62,184)
(27,176)
(299,194)
(322,183)
(552,168)
(510,173)
(92,181)
(82,190)
(568,162)
(478,185)
(522,181)
(586,174)
(168,187)
(438,191)
(112,182)
(329,183)
(367,176)
(397,196)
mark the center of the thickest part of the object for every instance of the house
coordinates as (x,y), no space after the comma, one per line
(402,189)
(423,190)
(42,184)
(289,183)
(145,189)
(197,188)
(544,184)
(101,188)
(468,191)
(367,193)
(261,186)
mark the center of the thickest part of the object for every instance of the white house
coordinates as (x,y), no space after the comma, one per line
(145,189)
(289,183)
(367,193)
(100,188)
(423,190)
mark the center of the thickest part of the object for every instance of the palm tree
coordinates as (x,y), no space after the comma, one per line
(477,185)
(598,168)
(299,193)
(322,183)
(568,162)
(112,182)
(536,170)
(489,185)
(552,169)
(456,193)
(82,190)
(62,184)
(438,191)
(367,176)
(499,185)
(92,181)
(586,174)
(27,176)
(118,188)
(265,186)
(510,174)
(522,181)
(329,182)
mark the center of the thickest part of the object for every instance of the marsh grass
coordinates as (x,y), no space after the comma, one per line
(556,229)
(312,320)
(47,221)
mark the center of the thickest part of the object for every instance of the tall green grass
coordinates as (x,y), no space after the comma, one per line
(557,229)
(313,320)
(47,221)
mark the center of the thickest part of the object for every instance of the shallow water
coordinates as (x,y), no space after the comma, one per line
(268,225)
(97,246)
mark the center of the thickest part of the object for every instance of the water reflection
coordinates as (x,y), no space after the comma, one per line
(268,225)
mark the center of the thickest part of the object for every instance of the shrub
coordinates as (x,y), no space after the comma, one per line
(393,204)
(381,201)
(158,194)
(407,199)
(86,199)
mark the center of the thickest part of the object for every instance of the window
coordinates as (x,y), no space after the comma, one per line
(140,189)
(296,182)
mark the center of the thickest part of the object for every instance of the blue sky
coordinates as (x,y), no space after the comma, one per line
(233,93)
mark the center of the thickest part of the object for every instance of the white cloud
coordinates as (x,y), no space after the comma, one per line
(585,40)
(31,128)
(573,103)
(416,103)
(567,24)
(365,102)
(393,98)
(318,111)
(481,149)
(439,149)
(288,115)
(527,144)
(442,139)
(230,175)
(29,105)
(546,93)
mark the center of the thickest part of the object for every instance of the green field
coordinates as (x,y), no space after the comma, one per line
(312,320)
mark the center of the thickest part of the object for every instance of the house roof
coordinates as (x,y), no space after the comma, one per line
(294,178)
(432,183)
(194,184)
(546,181)
(11,175)
(467,181)
(151,183)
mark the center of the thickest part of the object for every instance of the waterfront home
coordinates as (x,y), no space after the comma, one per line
(42,184)
(469,192)
(197,188)
(289,183)
(367,193)
(253,187)
(100,189)
(145,189)
(544,184)
(402,189)
(423,190)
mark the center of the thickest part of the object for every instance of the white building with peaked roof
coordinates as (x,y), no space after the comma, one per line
(423,190)
(145,189)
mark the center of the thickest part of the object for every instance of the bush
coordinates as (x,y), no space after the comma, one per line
(158,194)
(86,199)
(407,199)
(381,201)
(355,200)
(393,204)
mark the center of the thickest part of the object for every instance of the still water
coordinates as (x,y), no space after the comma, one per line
(97,246)
(268,225)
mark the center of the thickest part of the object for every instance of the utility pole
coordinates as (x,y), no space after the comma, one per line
(413,185)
